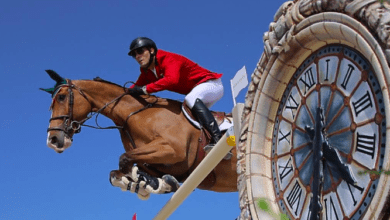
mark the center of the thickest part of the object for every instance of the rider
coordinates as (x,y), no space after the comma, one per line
(163,70)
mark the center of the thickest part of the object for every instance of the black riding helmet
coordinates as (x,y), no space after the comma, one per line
(142,42)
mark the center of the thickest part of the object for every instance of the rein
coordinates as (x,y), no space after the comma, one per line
(98,112)
(70,124)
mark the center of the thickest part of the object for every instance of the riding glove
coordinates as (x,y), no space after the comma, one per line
(136,90)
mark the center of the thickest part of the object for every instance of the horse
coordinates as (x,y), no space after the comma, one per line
(159,141)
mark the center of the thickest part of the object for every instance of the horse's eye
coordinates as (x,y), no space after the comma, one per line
(61,97)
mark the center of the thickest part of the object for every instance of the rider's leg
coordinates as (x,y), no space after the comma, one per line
(200,99)
(209,92)
(207,120)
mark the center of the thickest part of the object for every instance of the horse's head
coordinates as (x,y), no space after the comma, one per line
(70,108)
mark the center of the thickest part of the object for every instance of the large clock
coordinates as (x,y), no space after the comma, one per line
(337,83)
(315,140)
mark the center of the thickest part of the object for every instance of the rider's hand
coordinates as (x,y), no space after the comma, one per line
(136,90)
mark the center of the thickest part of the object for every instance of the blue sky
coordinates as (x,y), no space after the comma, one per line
(85,39)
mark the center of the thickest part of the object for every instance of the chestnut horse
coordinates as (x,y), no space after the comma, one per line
(156,135)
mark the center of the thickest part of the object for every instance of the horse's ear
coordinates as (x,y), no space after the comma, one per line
(56,77)
(51,90)
(59,81)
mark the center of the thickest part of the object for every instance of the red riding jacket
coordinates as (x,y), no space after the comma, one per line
(175,73)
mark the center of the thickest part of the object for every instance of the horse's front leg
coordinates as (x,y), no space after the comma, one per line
(158,151)
(142,183)
(118,179)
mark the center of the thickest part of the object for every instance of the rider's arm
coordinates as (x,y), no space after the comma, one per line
(141,81)
(171,77)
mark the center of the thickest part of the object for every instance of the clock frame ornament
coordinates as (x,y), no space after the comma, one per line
(317,114)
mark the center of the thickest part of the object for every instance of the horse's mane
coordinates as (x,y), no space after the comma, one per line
(98,79)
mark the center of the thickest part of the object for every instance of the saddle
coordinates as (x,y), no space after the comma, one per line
(224,121)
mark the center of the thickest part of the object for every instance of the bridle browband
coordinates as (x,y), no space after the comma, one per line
(70,124)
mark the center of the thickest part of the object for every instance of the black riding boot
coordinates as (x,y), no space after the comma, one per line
(207,120)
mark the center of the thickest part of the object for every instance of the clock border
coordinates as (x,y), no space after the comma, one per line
(282,56)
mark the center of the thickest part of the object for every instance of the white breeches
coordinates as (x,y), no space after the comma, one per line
(209,92)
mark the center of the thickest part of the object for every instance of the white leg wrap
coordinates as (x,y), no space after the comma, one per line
(142,193)
(121,183)
(133,174)
(125,184)
(163,187)
(133,187)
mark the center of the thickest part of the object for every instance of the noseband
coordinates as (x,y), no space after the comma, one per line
(68,123)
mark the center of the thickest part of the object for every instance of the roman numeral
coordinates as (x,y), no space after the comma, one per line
(286,169)
(361,189)
(308,79)
(292,105)
(332,209)
(347,76)
(366,144)
(295,197)
(363,103)
(284,137)
(327,69)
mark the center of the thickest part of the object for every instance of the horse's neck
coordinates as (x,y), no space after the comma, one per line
(102,98)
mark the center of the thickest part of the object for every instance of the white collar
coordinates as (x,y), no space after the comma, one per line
(155,73)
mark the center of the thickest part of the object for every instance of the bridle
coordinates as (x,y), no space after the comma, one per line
(68,124)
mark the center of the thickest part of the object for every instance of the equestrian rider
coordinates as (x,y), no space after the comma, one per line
(163,70)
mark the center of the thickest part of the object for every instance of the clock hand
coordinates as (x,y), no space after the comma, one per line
(332,155)
(310,131)
(315,202)
(317,140)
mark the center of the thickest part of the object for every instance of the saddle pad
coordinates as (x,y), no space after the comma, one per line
(224,120)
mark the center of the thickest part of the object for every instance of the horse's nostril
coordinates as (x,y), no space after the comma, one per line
(54,141)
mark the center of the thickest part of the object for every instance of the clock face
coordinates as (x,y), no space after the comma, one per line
(342,82)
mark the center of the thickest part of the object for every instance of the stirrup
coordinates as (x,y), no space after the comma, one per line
(208,148)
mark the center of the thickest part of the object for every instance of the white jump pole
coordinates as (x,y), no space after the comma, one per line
(237,114)
(217,153)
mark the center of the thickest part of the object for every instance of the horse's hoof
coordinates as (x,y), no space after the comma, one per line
(115,175)
(122,182)
(124,164)
(171,181)
(144,196)
(112,176)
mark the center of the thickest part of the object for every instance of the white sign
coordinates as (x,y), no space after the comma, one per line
(239,82)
